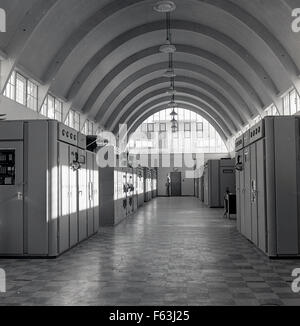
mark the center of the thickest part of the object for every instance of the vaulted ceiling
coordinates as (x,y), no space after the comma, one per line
(234,57)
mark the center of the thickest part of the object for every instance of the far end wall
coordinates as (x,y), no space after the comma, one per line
(188,185)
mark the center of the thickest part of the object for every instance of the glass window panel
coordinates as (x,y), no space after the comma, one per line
(51,107)
(187,126)
(194,134)
(163,127)
(21,89)
(32,95)
(293,102)
(77,121)
(10,90)
(150,127)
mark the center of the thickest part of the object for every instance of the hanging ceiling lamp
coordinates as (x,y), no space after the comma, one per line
(165,6)
(172,104)
(173,113)
(171,91)
(170,73)
(174,125)
(167,48)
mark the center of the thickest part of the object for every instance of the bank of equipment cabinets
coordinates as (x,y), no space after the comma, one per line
(118,195)
(218,177)
(48,188)
(199,187)
(140,186)
(147,185)
(268,186)
(154,182)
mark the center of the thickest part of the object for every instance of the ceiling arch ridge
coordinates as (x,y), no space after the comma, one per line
(144,72)
(193,96)
(148,110)
(121,109)
(203,114)
(219,62)
(223,39)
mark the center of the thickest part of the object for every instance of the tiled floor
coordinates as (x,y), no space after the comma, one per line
(173,252)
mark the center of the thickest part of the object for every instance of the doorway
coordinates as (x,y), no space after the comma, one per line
(176,184)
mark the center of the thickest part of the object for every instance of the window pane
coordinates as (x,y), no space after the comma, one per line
(77,121)
(200,126)
(51,107)
(58,110)
(293,102)
(21,89)
(163,127)
(10,90)
(32,95)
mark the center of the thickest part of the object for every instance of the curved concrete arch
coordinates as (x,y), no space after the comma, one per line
(120,104)
(198,102)
(189,93)
(157,108)
(82,31)
(230,8)
(219,37)
(119,113)
(31,22)
(260,30)
(220,63)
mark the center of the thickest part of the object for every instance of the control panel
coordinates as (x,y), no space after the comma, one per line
(257,132)
(239,143)
(67,135)
(7,167)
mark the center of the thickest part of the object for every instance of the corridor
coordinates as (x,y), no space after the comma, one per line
(172,252)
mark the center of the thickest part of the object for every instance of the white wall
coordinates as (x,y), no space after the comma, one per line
(187,175)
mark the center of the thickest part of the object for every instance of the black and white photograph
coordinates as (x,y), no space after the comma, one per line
(150,156)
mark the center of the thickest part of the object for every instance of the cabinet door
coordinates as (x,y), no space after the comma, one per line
(254,199)
(90,196)
(73,199)
(64,218)
(247,193)
(261,196)
(82,197)
(96,195)
(11,198)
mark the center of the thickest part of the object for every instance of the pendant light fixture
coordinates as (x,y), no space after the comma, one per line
(165,6)
(169,48)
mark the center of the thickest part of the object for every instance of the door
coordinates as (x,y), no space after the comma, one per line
(73,193)
(82,197)
(175,184)
(11,198)
(247,194)
(254,199)
(64,218)
(90,195)
(188,187)
(261,197)
(96,195)
(239,188)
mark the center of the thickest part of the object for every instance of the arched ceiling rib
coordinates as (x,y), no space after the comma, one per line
(122,95)
(176,25)
(182,99)
(240,54)
(121,107)
(91,104)
(135,123)
(184,86)
(186,94)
